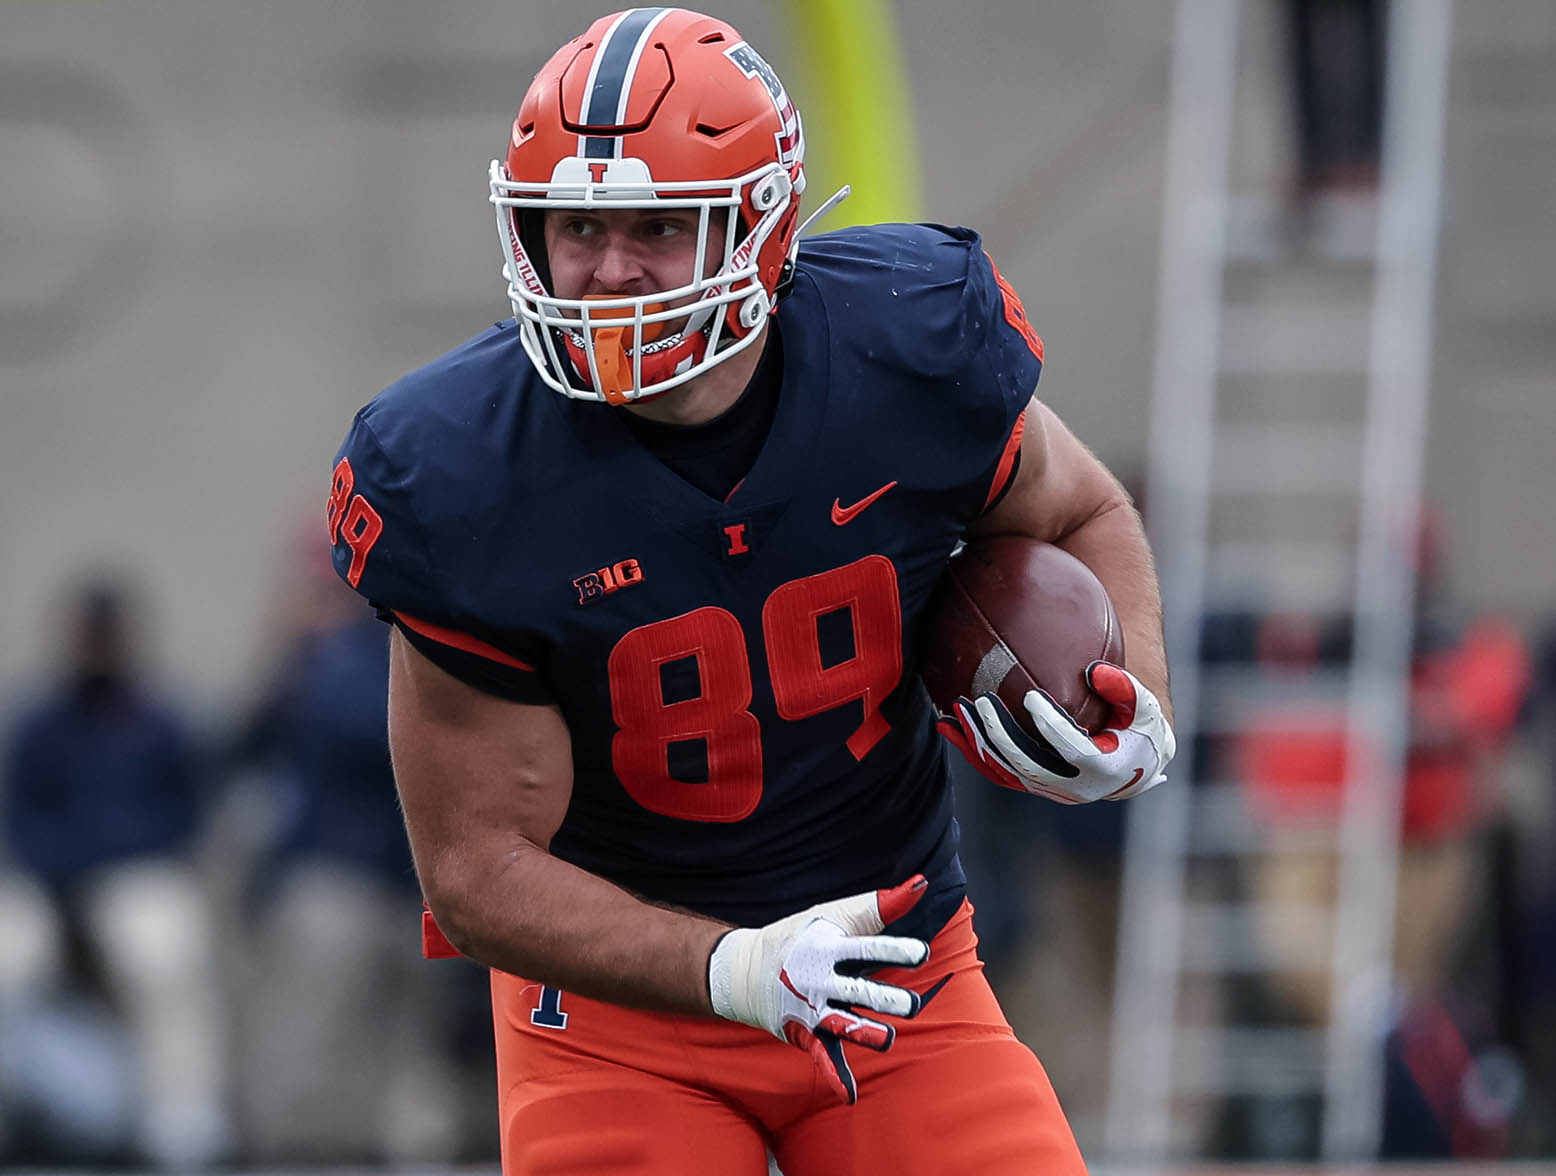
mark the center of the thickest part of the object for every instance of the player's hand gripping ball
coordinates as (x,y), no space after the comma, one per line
(797,977)
(1023,659)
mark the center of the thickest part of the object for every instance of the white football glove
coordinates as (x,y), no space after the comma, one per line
(784,977)
(1066,763)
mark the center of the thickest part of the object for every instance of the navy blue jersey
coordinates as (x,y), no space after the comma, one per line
(739,677)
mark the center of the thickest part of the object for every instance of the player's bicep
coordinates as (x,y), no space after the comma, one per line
(1057,486)
(480,777)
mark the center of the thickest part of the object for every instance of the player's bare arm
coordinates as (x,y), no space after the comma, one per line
(1063,494)
(485,784)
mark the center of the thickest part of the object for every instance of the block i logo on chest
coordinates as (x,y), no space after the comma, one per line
(601,582)
(735,538)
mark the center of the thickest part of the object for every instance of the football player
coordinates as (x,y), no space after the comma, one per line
(656,552)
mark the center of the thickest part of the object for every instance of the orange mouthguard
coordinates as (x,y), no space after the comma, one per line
(612,357)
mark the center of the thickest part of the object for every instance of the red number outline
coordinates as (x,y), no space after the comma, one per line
(359,530)
(640,749)
(341,482)
(719,715)
(801,686)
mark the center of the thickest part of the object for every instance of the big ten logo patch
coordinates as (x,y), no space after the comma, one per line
(601,582)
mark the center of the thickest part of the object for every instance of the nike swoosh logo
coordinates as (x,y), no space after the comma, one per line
(842,515)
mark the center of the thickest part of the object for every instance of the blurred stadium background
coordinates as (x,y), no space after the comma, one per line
(1324,361)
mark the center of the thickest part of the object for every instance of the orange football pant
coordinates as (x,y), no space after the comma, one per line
(587,1087)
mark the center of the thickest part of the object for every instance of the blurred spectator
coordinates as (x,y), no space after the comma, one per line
(1529,997)
(1449,1089)
(1336,53)
(346,1028)
(1335,96)
(101,804)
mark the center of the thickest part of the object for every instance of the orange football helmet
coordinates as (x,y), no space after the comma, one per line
(651,108)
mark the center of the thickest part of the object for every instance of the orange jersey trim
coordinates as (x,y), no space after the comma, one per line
(1003,472)
(1015,313)
(458,640)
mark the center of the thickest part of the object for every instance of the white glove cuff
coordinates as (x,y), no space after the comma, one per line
(729,974)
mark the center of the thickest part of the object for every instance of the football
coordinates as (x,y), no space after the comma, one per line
(1012,613)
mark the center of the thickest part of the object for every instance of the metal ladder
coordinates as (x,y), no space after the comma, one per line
(1315,511)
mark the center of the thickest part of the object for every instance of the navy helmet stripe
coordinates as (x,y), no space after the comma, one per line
(599,147)
(613,66)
